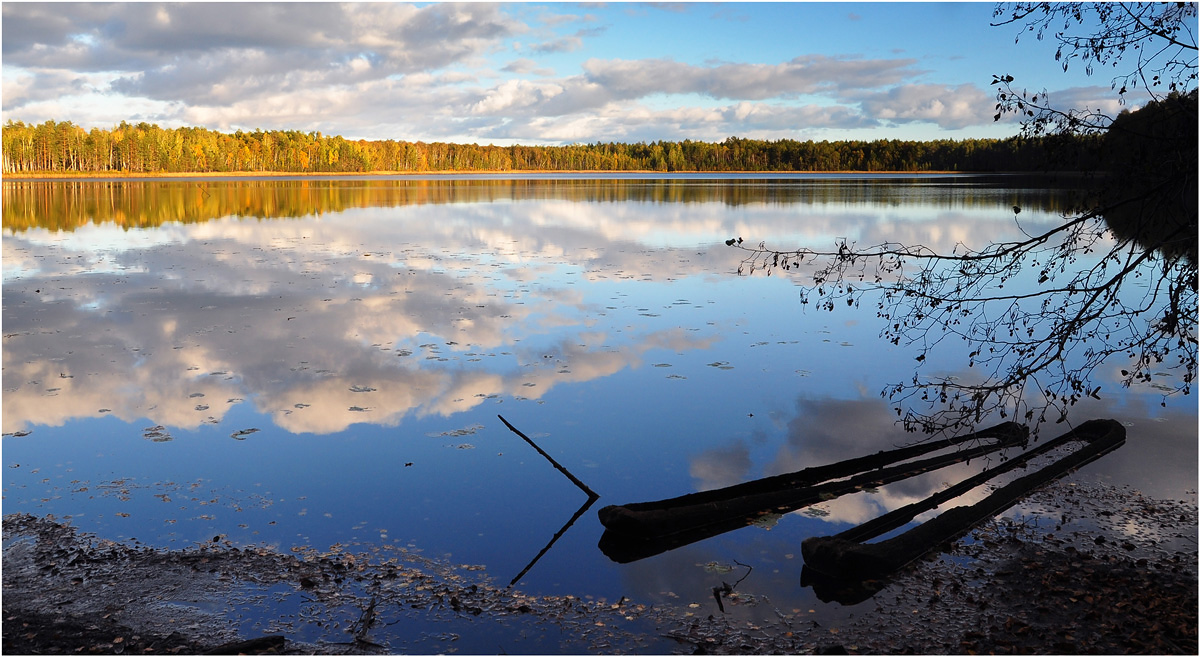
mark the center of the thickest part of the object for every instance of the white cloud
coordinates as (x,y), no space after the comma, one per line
(633,122)
(520,66)
(801,75)
(513,94)
(180,51)
(436,72)
(563,44)
(949,107)
(1097,99)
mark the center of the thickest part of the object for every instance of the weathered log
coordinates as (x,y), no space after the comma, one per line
(623,547)
(843,559)
(636,531)
(761,495)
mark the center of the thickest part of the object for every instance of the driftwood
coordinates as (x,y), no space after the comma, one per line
(844,568)
(592,495)
(582,510)
(636,531)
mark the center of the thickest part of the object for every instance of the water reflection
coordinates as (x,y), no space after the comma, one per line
(69,205)
(164,342)
(365,315)
(366,325)
(826,430)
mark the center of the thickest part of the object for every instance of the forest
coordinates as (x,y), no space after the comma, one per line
(143,148)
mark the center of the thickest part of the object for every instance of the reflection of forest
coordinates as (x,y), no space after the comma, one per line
(1157,222)
(66,205)
(1152,198)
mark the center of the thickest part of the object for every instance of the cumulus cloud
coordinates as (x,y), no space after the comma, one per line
(29,87)
(1097,99)
(637,122)
(435,72)
(130,36)
(801,75)
(512,94)
(222,53)
(525,66)
(947,106)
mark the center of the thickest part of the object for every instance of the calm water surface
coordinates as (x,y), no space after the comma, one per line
(322,362)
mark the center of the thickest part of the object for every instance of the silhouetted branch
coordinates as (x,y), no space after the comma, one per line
(1159,36)
(1036,346)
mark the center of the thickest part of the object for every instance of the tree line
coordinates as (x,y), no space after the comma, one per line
(143,148)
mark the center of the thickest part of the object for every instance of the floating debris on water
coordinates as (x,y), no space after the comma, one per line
(465,431)
(157,433)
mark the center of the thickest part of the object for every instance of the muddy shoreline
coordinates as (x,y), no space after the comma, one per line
(1078,570)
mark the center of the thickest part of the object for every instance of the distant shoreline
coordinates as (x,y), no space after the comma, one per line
(522,172)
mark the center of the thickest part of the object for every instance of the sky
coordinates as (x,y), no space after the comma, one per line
(532,73)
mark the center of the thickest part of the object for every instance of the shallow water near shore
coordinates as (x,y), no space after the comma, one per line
(307,364)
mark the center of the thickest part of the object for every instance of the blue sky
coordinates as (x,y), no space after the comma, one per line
(531,73)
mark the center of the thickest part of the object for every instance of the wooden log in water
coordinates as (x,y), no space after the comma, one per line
(733,506)
(843,558)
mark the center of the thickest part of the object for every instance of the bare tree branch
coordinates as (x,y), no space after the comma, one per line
(1113,284)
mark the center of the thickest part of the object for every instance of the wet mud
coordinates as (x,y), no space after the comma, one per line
(1076,570)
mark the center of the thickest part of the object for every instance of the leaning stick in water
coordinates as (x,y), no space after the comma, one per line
(590,493)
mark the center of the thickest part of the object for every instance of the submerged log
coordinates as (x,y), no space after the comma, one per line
(843,560)
(635,531)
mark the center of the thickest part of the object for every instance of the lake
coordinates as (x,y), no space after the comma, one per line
(306,363)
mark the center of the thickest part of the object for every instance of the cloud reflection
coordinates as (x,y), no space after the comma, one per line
(390,298)
(173,349)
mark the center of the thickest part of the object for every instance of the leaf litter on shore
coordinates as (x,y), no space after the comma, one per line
(1077,569)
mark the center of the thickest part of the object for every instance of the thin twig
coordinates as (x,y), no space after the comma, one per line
(592,495)
(582,510)
(749,569)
